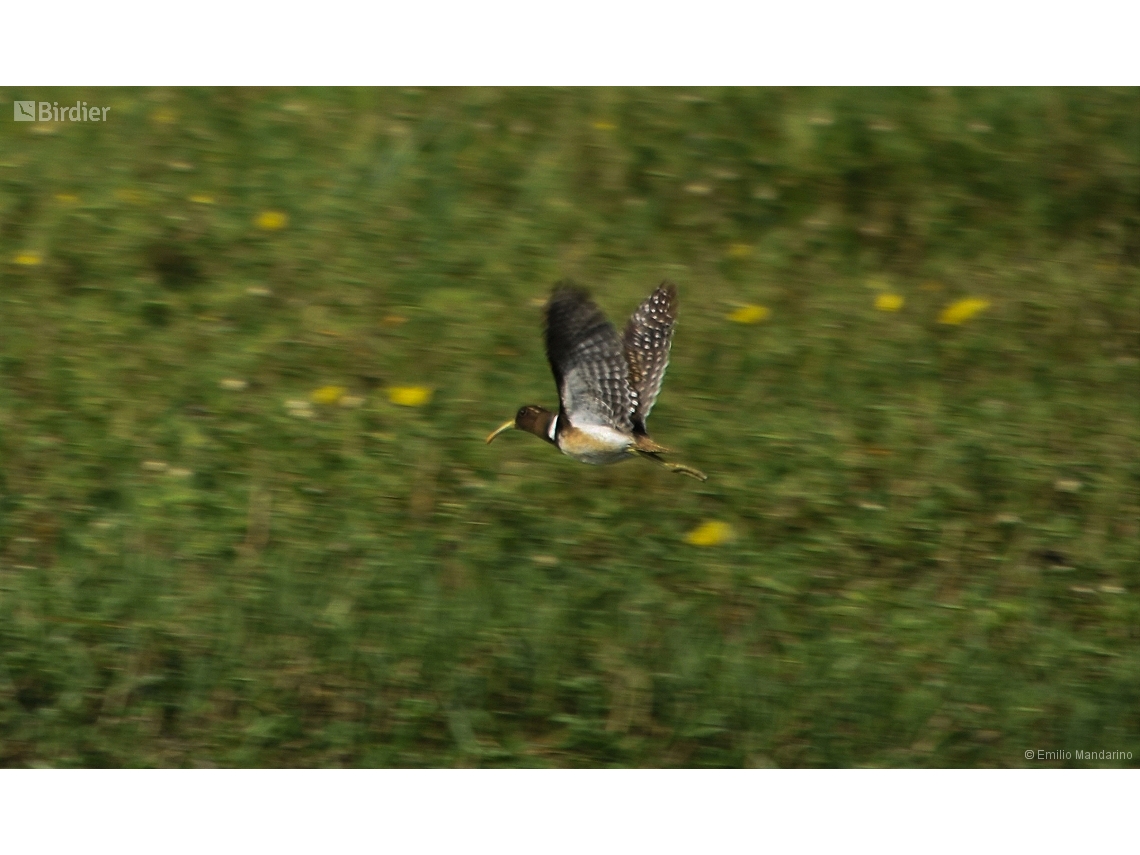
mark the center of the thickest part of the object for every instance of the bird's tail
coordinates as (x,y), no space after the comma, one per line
(645,445)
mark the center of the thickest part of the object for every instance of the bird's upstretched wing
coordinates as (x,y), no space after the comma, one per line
(588,361)
(648,336)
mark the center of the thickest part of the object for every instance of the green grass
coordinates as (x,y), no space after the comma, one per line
(936,551)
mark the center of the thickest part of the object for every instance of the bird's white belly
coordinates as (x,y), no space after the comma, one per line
(595,444)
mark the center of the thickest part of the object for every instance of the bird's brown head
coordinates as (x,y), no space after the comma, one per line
(531,418)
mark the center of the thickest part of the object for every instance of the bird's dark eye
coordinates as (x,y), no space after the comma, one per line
(522,412)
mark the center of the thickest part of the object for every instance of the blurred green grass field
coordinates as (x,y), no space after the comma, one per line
(251,342)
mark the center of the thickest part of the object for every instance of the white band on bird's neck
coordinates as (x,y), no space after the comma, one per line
(553,427)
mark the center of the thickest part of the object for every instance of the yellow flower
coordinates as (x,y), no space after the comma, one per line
(963,310)
(710,533)
(739,250)
(28,258)
(67,198)
(202,199)
(887,302)
(126,194)
(603,125)
(409,396)
(749,314)
(164,116)
(328,394)
(271,221)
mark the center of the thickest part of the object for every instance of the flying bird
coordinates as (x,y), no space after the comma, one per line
(607,383)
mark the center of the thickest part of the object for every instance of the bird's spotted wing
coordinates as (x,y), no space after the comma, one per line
(648,336)
(588,361)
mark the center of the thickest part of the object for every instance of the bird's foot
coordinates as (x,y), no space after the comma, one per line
(682,469)
(679,468)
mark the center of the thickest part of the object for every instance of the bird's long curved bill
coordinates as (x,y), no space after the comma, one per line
(505,427)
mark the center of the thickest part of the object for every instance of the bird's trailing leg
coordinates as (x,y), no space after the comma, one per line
(679,468)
